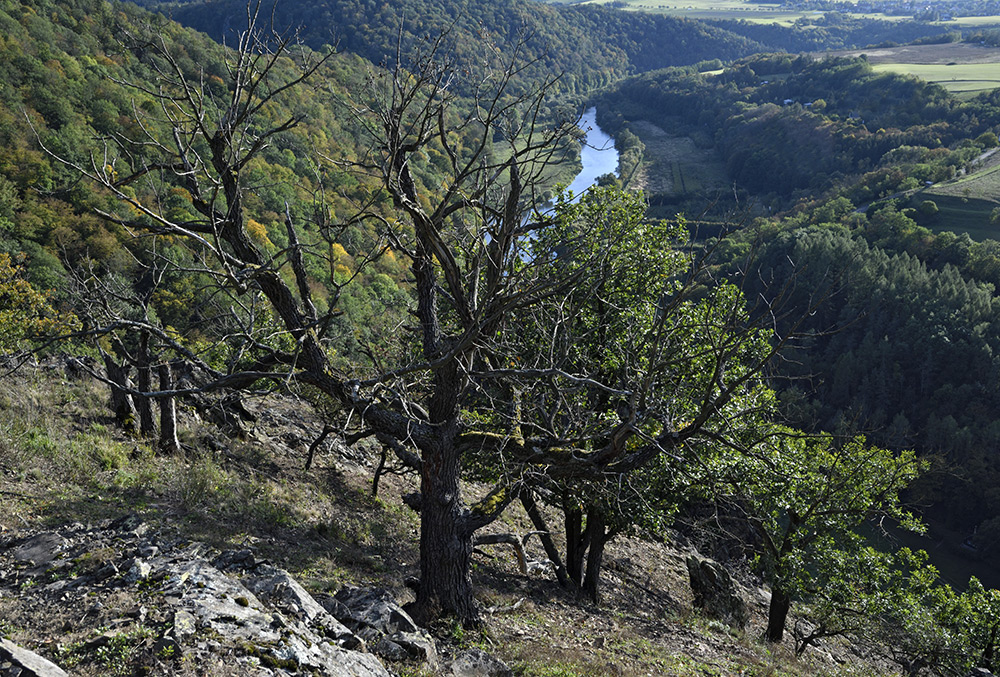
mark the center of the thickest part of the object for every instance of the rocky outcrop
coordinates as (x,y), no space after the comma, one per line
(715,592)
(182,604)
(162,605)
(388,630)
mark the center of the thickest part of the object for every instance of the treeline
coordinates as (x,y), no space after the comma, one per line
(833,31)
(591,46)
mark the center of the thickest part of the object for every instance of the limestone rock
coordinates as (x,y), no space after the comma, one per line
(478,663)
(29,663)
(715,592)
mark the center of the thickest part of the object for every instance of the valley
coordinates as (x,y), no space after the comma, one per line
(293,298)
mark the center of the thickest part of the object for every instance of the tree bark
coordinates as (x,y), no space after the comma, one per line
(596,526)
(168,414)
(445,541)
(144,382)
(777,614)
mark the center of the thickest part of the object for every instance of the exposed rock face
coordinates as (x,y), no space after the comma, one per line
(715,592)
(196,606)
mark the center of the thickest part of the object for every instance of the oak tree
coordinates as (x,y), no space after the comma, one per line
(805,497)
(490,266)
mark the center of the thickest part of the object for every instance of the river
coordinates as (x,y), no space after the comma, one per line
(599,155)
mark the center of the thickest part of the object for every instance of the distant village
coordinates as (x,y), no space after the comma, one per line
(920,10)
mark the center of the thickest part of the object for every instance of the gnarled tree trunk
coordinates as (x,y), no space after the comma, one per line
(445,542)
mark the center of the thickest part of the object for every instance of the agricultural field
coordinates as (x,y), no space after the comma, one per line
(955,77)
(674,166)
(966,203)
(958,67)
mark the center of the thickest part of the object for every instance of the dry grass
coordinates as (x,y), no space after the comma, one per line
(63,461)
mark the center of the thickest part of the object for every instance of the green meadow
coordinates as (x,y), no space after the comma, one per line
(955,77)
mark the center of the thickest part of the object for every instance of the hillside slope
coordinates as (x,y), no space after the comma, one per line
(591,46)
(66,474)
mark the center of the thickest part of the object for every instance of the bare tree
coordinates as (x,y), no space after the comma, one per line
(487,272)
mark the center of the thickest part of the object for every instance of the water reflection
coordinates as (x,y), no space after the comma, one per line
(599,155)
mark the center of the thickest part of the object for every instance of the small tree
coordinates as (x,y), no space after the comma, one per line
(670,353)
(805,497)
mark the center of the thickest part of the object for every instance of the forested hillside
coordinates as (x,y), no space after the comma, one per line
(198,224)
(589,46)
(67,68)
(903,346)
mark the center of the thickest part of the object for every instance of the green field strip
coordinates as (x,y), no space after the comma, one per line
(957,77)
(971,21)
